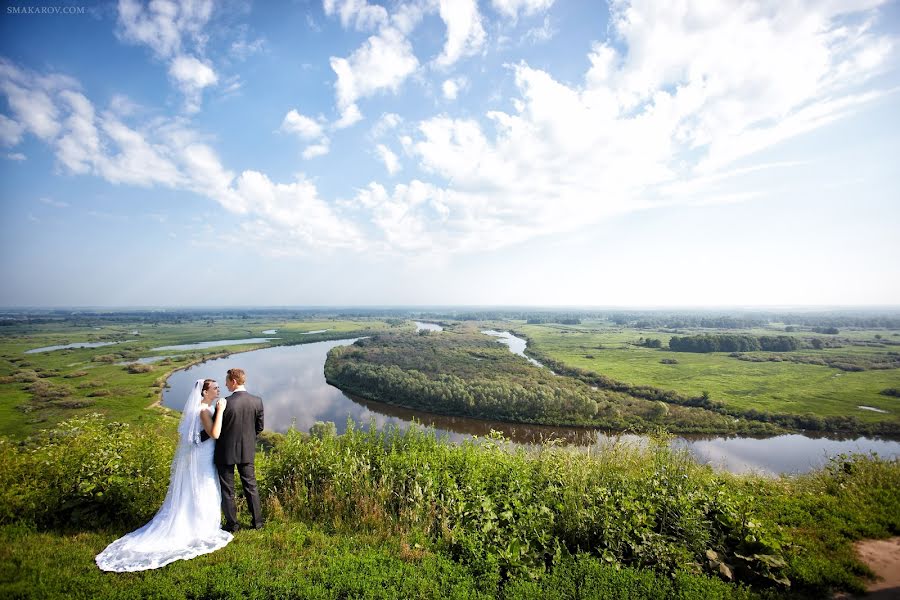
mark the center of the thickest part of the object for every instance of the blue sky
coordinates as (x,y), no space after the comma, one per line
(514,152)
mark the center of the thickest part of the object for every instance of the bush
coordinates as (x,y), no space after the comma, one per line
(514,514)
(86,472)
(138,368)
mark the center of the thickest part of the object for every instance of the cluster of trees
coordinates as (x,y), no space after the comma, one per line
(828,330)
(733,343)
(465,374)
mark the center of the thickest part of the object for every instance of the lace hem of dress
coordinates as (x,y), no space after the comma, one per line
(119,560)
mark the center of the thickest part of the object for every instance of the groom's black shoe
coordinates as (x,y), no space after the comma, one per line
(259,525)
(233,529)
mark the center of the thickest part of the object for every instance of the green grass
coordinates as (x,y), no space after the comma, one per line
(778,387)
(299,560)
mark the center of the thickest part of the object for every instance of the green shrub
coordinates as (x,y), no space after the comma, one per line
(86,472)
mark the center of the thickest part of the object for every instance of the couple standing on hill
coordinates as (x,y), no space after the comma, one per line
(215,436)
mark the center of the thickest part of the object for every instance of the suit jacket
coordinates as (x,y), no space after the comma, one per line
(242,421)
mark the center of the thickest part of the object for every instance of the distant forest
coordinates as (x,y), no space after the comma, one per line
(817,321)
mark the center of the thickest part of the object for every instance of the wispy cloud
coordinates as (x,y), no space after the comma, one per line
(54,203)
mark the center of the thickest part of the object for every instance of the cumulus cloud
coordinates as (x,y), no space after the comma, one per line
(314,150)
(390,160)
(191,75)
(301,125)
(383,62)
(451,87)
(465,34)
(297,211)
(308,130)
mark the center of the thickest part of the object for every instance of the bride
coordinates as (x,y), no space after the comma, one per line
(188,524)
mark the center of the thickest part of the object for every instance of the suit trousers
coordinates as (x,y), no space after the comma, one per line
(247,472)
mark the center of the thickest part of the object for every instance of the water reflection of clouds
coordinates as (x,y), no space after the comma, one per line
(515,344)
(793,453)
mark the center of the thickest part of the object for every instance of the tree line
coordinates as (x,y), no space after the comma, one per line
(733,343)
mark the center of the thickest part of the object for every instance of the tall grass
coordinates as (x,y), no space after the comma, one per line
(518,522)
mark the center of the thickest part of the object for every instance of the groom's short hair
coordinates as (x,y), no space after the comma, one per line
(237,376)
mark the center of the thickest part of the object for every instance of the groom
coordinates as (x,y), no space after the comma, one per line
(242,421)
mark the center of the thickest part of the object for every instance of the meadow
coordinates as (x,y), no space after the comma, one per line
(775,386)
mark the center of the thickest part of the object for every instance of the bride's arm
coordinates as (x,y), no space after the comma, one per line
(212,427)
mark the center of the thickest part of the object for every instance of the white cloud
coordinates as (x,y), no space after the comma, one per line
(451,87)
(298,211)
(192,75)
(309,130)
(359,13)
(242,49)
(315,150)
(404,216)
(391,163)
(17,156)
(305,127)
(512,8)
(543,33)
(465,34)
(10,131)
(161,25)
(689,94)
(54,203)
(167,153)
(386,122)
(383,62)
(165,26)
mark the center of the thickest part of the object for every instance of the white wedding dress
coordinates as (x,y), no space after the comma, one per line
(189,522)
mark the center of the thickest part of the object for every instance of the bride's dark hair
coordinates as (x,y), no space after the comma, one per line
(206,384)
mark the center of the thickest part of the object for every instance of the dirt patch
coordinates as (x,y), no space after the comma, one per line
(883,557)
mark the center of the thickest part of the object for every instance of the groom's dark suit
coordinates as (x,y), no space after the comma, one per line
(242,421)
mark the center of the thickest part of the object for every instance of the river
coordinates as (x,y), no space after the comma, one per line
(291,381)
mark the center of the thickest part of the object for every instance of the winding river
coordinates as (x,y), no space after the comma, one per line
(291,381)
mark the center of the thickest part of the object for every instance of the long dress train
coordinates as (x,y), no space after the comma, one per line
(187,525)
